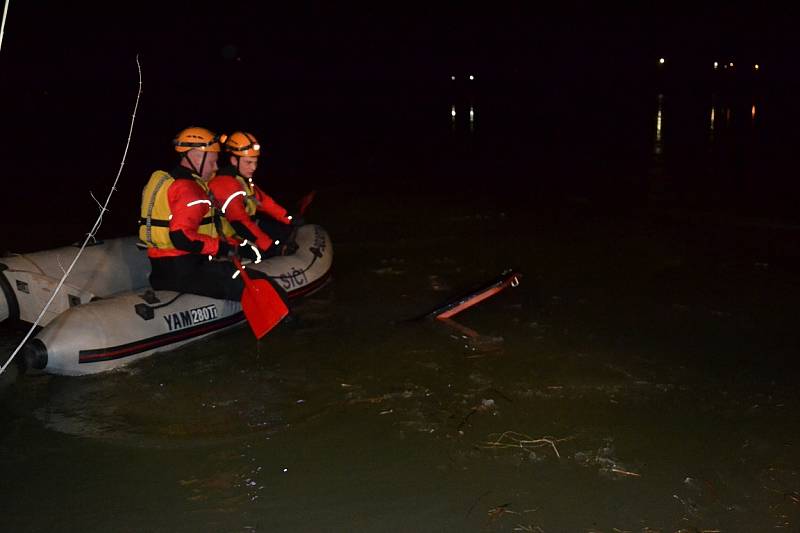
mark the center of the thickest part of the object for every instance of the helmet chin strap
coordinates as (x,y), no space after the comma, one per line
(202,164)
(191,165)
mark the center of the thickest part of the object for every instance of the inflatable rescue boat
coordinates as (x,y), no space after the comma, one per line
(106,315)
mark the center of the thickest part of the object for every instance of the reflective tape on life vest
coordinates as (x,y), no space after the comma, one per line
(156,214)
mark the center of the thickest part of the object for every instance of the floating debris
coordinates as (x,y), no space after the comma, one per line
(512,439)
(391,271)
(437,284)
(624,472)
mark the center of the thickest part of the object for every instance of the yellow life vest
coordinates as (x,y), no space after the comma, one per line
(250,201)
(250,205)
(155,213)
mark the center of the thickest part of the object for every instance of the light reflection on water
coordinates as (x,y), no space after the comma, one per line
(724,154)
(455,120)
(712,120)
(658,147)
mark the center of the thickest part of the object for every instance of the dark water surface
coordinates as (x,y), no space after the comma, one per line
(641,378)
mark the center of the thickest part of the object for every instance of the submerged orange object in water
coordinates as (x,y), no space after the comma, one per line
(509,278)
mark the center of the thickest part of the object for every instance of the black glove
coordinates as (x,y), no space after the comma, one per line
(224,249)
(250,251)
(296,220)
(276,248)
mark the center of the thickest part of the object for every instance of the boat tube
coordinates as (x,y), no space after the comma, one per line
(106,267)
(109,317)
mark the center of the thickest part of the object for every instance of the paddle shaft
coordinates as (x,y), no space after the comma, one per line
(305,201)
(245,277)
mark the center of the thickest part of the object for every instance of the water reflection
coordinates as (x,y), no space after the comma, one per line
(721,116)
(470,114)
(220,392)
(711,122)
(726,112)
(658,146)
(657,171)
(471,118)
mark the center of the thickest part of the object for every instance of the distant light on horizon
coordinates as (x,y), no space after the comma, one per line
(453,112)
(716,65)
(471,77)
(471,114)
(661,61)
(453,78)
(730,64)
(755,67)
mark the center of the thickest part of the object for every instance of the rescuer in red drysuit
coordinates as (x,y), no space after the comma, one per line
(250,215)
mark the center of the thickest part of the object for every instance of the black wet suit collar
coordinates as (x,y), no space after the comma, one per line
(228,170)
(181,172)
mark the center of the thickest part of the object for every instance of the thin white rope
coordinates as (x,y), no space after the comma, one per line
(91,234)
(3,29)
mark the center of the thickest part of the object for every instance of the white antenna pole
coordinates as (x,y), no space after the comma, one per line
(91,234)
(3,25)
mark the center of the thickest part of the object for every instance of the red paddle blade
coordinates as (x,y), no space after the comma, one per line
(262,306)
(304,202)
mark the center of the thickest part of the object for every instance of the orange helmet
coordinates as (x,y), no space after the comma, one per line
(195,138)
(242,144)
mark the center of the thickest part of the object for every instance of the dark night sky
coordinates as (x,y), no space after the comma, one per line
(298,41)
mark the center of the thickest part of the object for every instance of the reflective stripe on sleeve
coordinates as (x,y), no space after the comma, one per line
(230,198)
(197,202)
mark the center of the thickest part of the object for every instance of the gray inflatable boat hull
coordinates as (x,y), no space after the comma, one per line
(104,332)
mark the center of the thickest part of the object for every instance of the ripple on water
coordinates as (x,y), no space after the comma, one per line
(204,394)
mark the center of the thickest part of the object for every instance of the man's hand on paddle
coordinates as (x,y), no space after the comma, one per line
(296,220)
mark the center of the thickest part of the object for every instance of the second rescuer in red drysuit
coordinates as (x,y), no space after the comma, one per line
(177,223)
(249,213)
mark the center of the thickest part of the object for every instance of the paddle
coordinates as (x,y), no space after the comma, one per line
(262,305)
(304,202)
(509,278)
